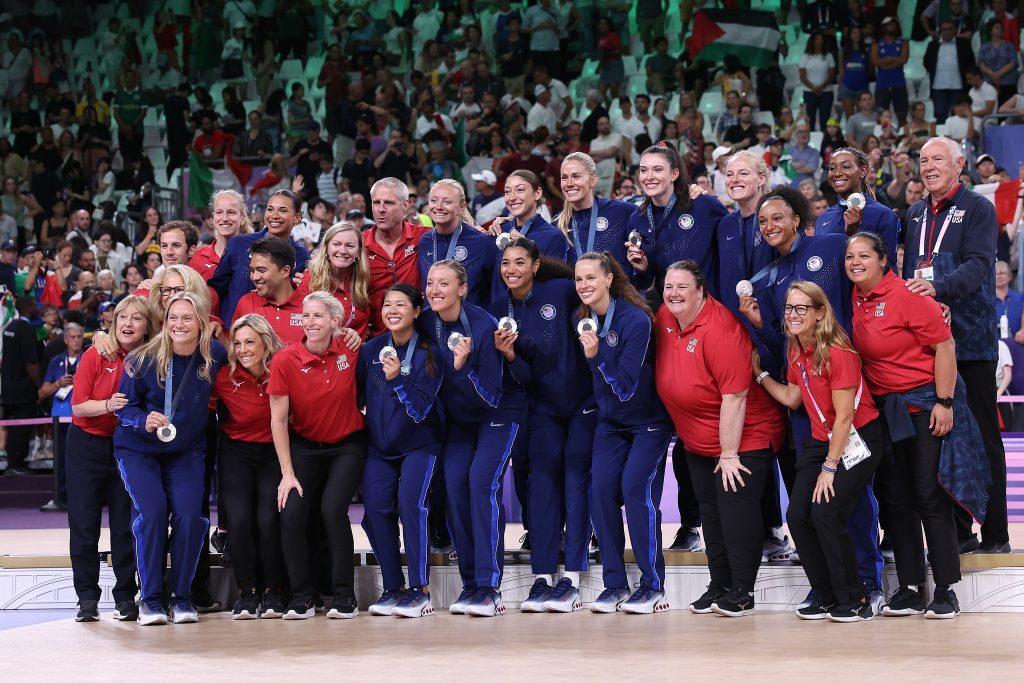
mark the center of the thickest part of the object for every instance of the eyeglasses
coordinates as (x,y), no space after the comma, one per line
(799,309)
(171,291)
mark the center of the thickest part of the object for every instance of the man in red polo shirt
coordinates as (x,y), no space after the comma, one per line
(271,262)
(390,243)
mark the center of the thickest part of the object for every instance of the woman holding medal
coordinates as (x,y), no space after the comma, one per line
(93,477)
(160,447)
(614,326)
(523,193)
(454,238)
(399,376)
(341,268)
(839,460)
(535,330)
(592,224)
(248,470)
(484,408)
(321,446)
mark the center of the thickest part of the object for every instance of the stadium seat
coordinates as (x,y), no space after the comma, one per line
(291,69)
(816,137)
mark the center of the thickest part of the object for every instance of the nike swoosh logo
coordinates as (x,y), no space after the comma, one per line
(653,429)
(493,424)
(588,412)
(730,237)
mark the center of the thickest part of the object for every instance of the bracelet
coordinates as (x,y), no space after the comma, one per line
(106,405)
(728,457)
(830,470)
(760,378)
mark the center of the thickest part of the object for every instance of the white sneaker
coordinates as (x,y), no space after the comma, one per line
(609,600)
(645,600)
(564,598)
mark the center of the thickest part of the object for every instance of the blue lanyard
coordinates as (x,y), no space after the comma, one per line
(169,405)
(608,319)
(525,230)
(407,360)
(664,217)
(772,269)
(452,246)
(511,313)
(462,318)
(590,236)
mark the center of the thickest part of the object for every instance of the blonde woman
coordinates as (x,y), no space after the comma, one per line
(160,448)
(592,224)
(248,471)
(454,237)
(341,268)
(230,218)
(824,376)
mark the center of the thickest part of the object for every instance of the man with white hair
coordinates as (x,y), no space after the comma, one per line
(390,243)
(950,256)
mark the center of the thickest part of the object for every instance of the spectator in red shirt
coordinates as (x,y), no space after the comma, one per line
(212,143)
(824,376)
(340,268)
(523,160)
(334,74)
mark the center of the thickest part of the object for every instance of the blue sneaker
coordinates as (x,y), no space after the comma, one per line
(539,594)
(565,597)
(415,603)
(645,600)
(183,612)
(609,600)
(152,612)
(486,603)
(387,602)
(465,597)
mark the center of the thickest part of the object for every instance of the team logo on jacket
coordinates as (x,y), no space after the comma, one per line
(343,362)
(602,224)
(685,221)
(880,309)
(410,249)
(613,339)
(295,320)
(461,253)
(814,264)
(548,312)
(757,238)
(691,346)
(958,216)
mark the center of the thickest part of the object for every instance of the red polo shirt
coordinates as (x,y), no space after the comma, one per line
(321,391)
(286,319)
(356,318)
(248,404)
(96,379)
(843,372)
(205,261)
(387,270)
(695,367)
(893,331)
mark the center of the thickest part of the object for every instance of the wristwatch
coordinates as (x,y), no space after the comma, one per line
(946,402)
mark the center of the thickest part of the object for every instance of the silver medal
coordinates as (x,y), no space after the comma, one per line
(453,340)
(167,433)
(502,240)
(744,288)
(634,239)
(387,352)
(856,201)
(586,325)
(509,324)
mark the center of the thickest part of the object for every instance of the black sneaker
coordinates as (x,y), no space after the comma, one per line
(272,606)
(885,548)
(702,605)
(687,539)
(88,610)
(299,607)
(204,602)
(816,608)
(969,546)
(904,602)
(344,605)
(857,611)
(126,610)
(735,603)
(994,548)
(219,539)
(944,604)
(247,606)
(525,542)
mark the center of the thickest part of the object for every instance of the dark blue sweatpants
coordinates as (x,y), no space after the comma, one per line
(166,487)
(560,451)
(475,458)
(629,470)
(396,489)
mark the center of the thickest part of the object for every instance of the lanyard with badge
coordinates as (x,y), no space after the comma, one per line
(69,369)
(925,270)
(664,217)
(509,322)
(452,246)
(455,337)
(590,235)
(389,351)
(855,451)
(525,230)
(169,431)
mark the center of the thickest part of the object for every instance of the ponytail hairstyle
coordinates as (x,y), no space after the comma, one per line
(465,216)
(323,277)
(861,159)
(550,269)
(793,198)
(828,333)
(415,298)
(621,287)
(878,246)
(585,160)
(296,201)
(681,186)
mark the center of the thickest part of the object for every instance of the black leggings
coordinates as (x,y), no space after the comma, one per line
(337,469)
(819,529)
(248,475)
(733,526)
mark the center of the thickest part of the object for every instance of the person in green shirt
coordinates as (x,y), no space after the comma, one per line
(130,113)
(26,280)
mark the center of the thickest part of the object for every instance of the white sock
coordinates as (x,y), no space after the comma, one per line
(546,577)
(573,577)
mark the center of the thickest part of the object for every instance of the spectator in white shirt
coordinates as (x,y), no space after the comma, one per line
(429,119)
(962,125)
(468,105)
(560,103)
(983,94)
(541,114)
(605,150)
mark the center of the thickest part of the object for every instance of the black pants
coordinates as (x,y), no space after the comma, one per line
(247,476)
(819,529)
(19,438)
(60,464)
(201,580)
(94,481)
(339,468)
(980,378)
(733,527)
(689,508)
(908,481)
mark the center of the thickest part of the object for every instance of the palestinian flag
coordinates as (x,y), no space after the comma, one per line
(1003,195)
(751,36)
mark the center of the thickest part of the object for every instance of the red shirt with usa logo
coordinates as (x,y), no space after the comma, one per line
(696,366)
(387,270)
(321,390)
(843,372)
(356,318)
(286,319)
(248,404)
(893,331)
(96,379)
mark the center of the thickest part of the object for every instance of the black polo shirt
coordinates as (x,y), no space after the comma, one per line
(20,349)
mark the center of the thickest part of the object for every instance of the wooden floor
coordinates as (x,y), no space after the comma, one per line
(575,647)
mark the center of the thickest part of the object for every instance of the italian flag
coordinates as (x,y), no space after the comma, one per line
(1003,195)
(751,36)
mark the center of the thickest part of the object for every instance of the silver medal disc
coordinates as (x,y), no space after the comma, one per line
(857,201)
(453,340)
(586,325)
(387,352)
(509,324)
(635,239)
(167,433)
(744,288)
(502,240)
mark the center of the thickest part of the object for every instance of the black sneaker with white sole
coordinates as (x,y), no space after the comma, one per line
(702,605)
(344,605)
(851,612)
(247,606)
(88,610)
(735,603)
(816,608)
(272,606)
(944,604)
(126,610)
(299,607)
(905,602)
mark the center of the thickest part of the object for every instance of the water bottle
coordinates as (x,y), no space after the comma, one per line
(1004,326)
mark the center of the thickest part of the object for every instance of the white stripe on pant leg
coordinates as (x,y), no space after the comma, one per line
(495,513)
(425,516)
